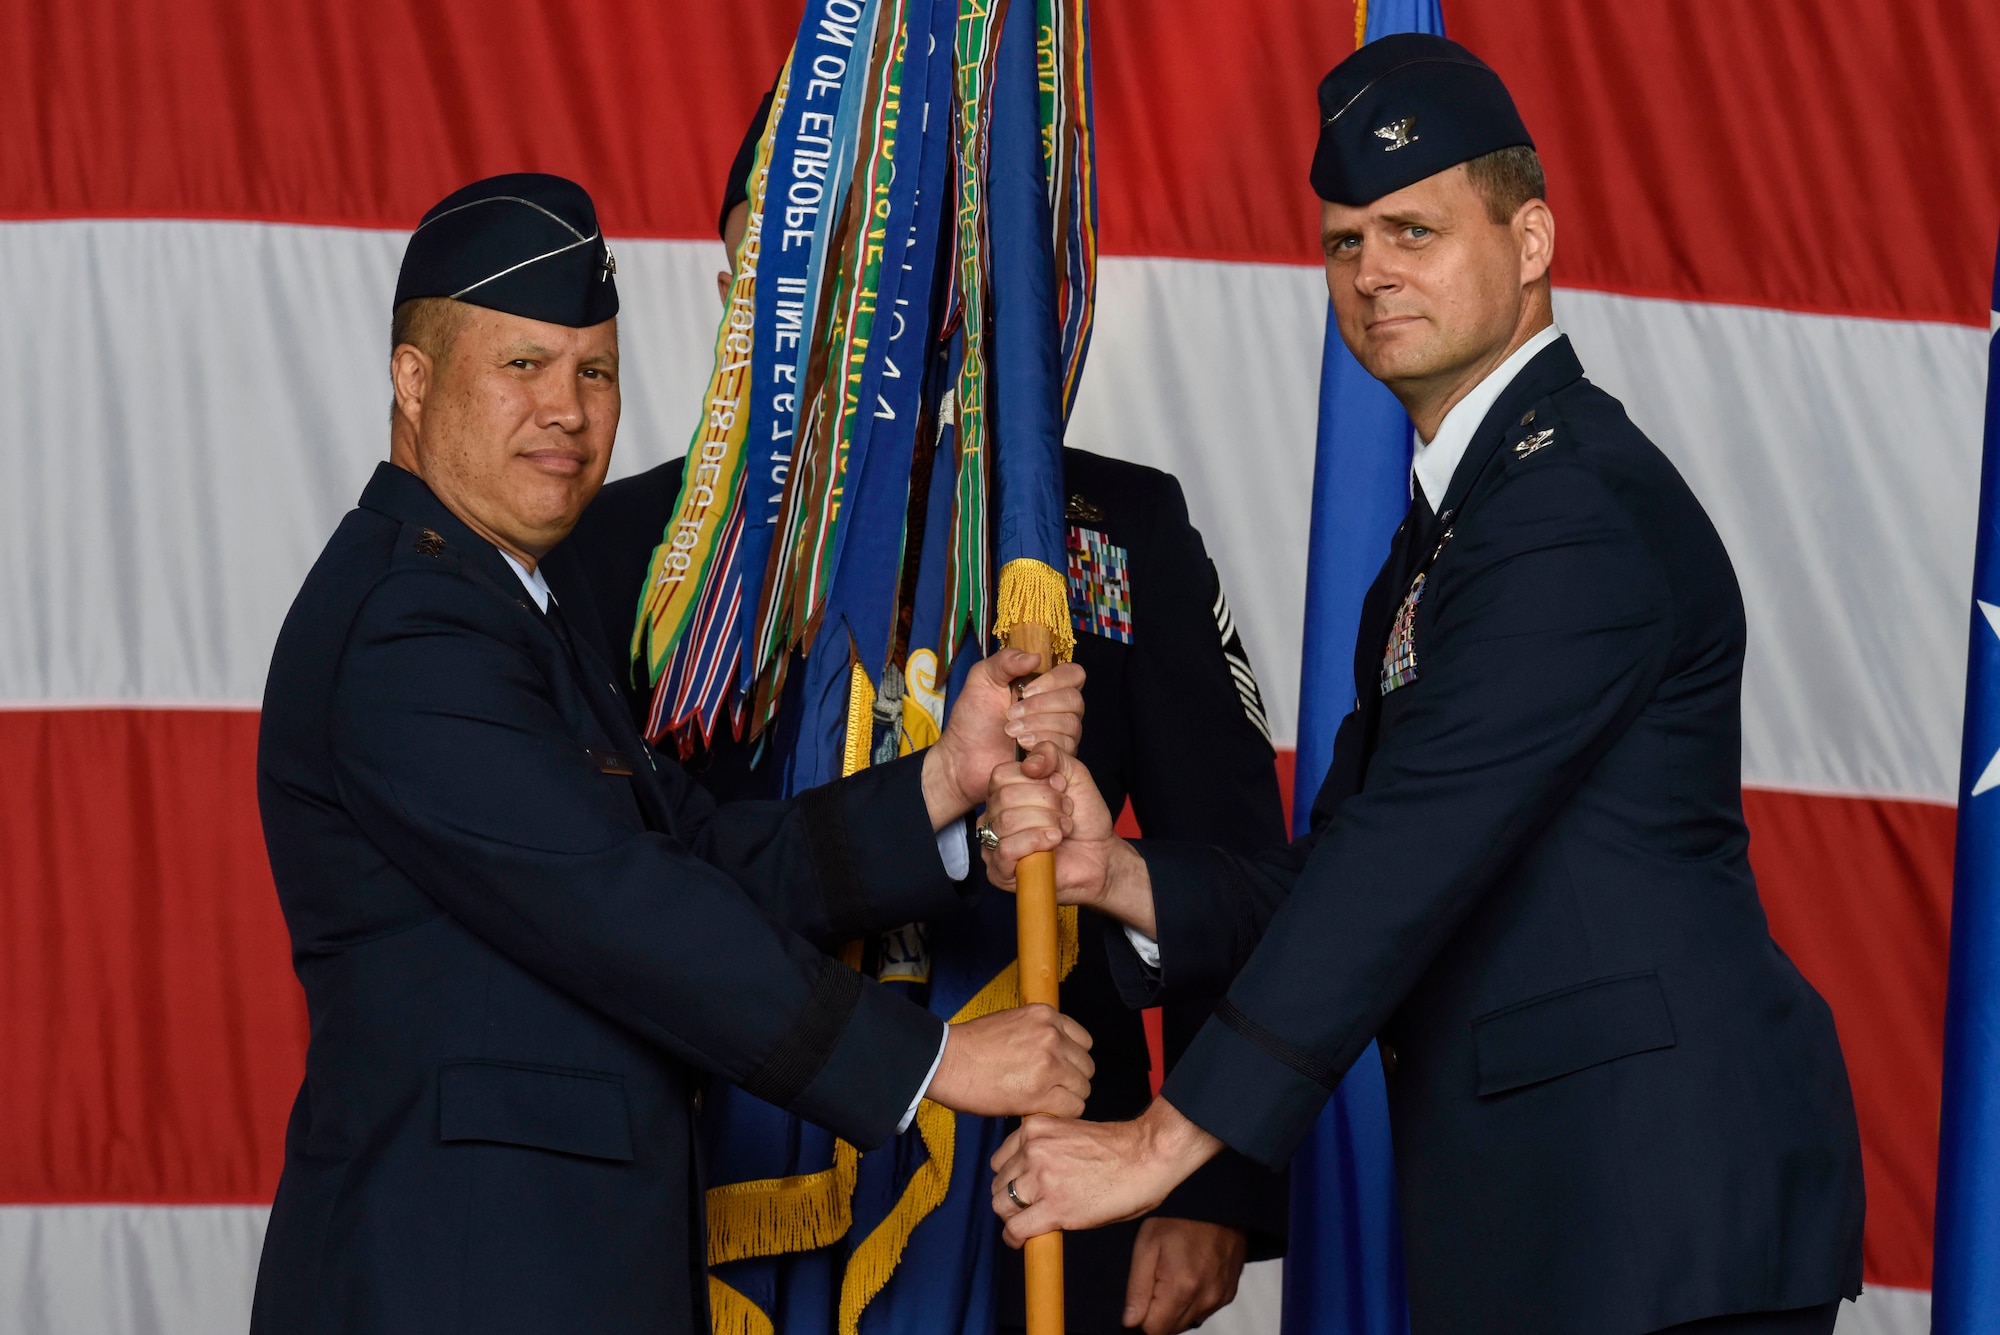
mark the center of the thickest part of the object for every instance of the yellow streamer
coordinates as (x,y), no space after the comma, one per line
(1360,24)
(1035,594)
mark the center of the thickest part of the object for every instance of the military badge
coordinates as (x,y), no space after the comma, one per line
(1399,660)
(1100,588)
(1400,134)
(1540,440)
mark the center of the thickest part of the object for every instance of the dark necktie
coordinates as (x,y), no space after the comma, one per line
(1420,537)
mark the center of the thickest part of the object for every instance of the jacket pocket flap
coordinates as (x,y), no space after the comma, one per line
(1567,1031)
(573,1112)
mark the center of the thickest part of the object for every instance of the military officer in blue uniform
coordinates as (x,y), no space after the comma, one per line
(1617,1106)
(526,939)
(1166,671)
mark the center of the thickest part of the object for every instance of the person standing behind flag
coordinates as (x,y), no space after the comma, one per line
(1616,1105)
(1165,669)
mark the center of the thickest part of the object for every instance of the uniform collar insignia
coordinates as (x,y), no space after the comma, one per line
(1542,439)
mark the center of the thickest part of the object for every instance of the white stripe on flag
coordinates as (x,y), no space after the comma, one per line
(94,1269)
(199,402)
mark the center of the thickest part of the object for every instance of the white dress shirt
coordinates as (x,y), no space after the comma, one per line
(952,846)
(1436,460)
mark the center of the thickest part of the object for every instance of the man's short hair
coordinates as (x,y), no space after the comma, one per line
(1506,179)
(428,324)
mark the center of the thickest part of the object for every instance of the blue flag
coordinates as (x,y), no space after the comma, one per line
(1965,1297)
(1344,1265)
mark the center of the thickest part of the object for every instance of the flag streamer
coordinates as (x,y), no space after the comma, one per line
(882,434)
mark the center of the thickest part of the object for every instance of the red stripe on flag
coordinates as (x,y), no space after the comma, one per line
(366,112)
(1817,155)
(152,1034)
(1858,892)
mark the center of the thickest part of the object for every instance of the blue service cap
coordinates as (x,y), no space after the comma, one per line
(1405,107)
(525,243)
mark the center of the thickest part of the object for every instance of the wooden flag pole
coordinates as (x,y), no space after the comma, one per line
(1035,921)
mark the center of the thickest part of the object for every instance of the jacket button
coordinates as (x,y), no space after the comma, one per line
(697,1103)
(1388,1056)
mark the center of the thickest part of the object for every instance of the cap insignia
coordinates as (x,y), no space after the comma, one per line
(1400,134)
(610,265)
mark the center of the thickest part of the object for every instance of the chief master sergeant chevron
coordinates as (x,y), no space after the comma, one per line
(524,937)
(1617,1107)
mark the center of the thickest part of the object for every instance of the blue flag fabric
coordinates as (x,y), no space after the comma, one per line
(1965,1297)
(1344,1264)
(1025,379)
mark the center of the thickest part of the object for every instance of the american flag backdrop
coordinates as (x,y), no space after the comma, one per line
(1775,228)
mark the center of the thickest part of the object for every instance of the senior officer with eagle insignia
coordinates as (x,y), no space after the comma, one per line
(1617,1107)
(525,938)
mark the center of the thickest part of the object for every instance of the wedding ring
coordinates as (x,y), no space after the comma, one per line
(1013,1197)
(988,837)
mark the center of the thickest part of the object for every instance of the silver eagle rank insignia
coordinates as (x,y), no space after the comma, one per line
(1541,440)
(1400,134)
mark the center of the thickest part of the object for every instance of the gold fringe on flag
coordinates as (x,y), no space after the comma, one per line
(730,1313)
(1035,594)
(875,1258)
(775,1215)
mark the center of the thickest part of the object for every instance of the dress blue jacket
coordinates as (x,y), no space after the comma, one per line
(525,941)
(1616,1104)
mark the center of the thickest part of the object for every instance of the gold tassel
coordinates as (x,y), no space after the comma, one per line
(730,1313)
(876,1257)
(1036,595)
(860,721)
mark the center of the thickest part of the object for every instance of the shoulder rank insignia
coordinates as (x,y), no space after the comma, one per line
(1100,587)
(430,543)
(1399,659)
(1542,439)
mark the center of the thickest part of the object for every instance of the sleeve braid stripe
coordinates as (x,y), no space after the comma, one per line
(833,859)
(1312,1068)
(802,1053)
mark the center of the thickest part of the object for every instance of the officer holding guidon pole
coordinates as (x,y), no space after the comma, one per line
(1617,1107)
(526,938)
